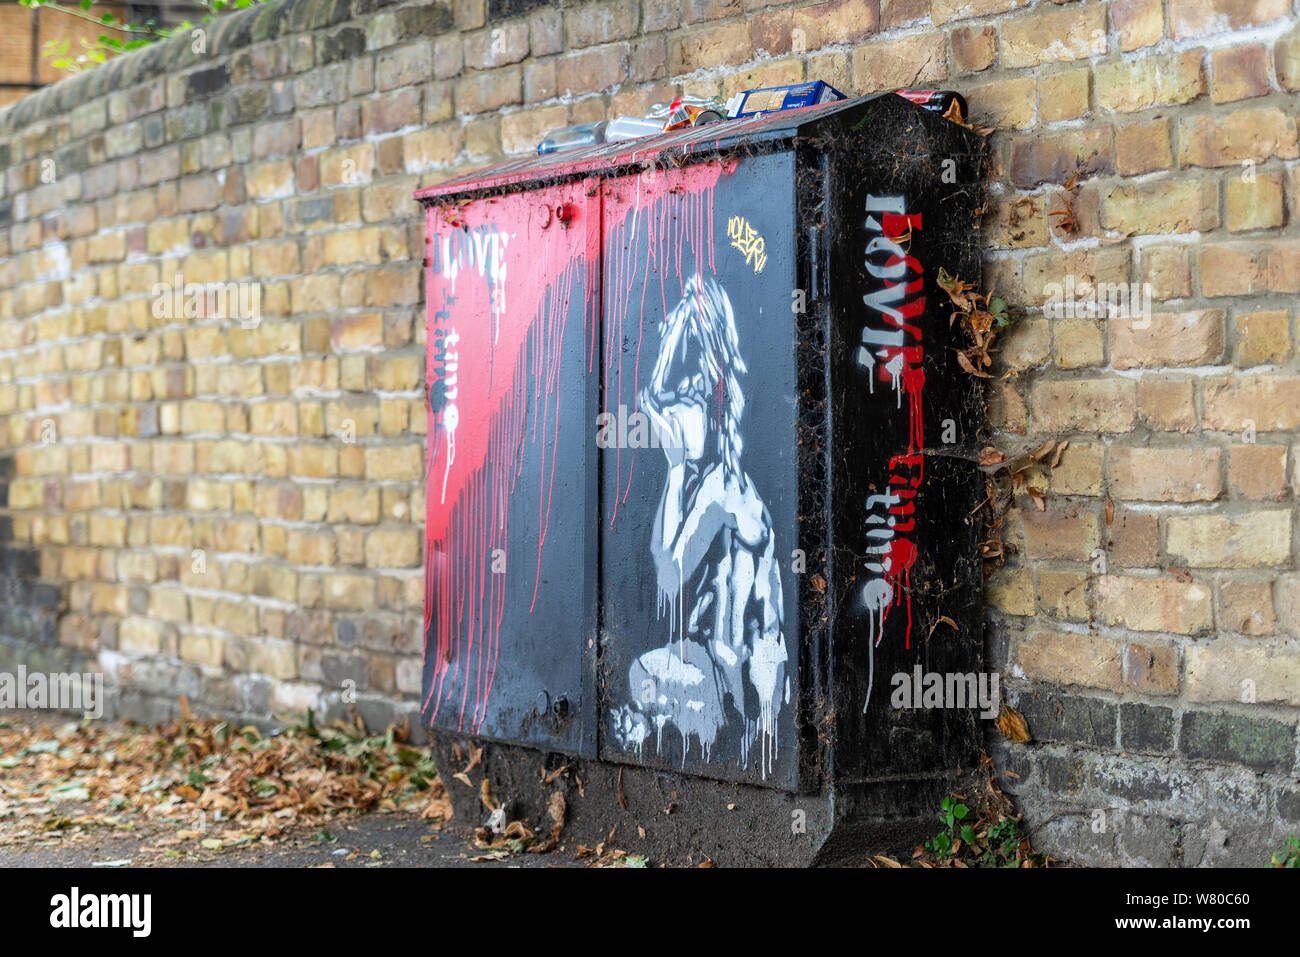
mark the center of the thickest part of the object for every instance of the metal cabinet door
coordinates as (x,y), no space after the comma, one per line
(513,305)
(699,632)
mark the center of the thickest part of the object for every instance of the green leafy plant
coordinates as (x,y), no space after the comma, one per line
(1288,855)
(998,309)
(984,833)
(952,814)
(122,37)
(1003,843)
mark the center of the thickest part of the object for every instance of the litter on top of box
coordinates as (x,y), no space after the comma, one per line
(773,98)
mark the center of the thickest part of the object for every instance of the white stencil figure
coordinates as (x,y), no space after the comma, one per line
(713,550)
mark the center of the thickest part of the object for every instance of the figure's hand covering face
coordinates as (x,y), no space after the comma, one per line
(678,396)
(690,427)
(667,428)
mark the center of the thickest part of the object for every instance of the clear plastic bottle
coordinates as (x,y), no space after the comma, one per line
(632,127)
(570,137)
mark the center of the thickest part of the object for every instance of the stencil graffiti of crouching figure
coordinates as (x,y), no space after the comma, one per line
(712,544)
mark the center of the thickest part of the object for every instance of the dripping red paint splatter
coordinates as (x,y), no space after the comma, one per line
(892,351)
(499,306)
(500,289)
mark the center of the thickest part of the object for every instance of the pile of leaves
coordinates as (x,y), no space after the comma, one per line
(1004,476)
(500,839)
(981,315)
(203,780)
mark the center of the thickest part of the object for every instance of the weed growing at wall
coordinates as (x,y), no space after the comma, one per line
(1288,855)
(980,830)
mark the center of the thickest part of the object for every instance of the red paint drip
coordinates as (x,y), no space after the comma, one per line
(516,318)
(902,554)
(509,373)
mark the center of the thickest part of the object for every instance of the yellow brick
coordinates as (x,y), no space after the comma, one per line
(393,549)
(1255,203)
(1086,405)
(1066,34)
(349,591)
(357,505)
(1167,206)
(1124,87)
(394,462)
(1263,337)
(1071,659)
(1063,594)
(1154,604)
(313,461)
(139,636)
(1011,591)
(898,62)
(1259,538)
(1064,95)
(202,649)
(1244,672)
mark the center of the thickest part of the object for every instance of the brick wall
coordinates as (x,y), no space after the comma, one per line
(233,510)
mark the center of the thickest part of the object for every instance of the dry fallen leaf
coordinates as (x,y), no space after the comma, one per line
(942,620)
(964,361)
(475,756)
(1012,724)
(557,807)
(486,795)
(1042,451)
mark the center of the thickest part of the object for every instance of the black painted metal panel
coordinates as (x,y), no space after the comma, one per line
(511,493)
(737,602)
(904,484)
(700,625)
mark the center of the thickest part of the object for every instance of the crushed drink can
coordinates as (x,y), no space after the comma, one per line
(682,115)
(936,101)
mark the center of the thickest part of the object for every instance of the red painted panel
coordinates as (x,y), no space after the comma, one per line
(506,278)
